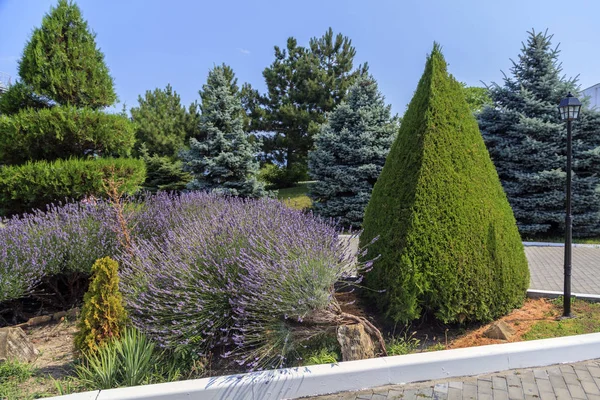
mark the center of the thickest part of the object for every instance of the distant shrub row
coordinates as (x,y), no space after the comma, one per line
(61,132)
(33,185)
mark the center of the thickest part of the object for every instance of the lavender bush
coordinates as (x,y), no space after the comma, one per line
(64,239)
(240,275)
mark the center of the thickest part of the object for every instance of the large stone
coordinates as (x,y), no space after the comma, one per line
(355,342)
(15,345)
(499,330)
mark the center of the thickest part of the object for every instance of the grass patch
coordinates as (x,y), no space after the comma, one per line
(296,197)
(12,375)
(586,320)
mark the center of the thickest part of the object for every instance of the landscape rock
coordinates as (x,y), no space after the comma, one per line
(15,345)
(355,342)
(499,330)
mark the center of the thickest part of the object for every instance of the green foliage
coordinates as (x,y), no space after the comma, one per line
(36,184)
(62,132)
(162,123)
(276,177)
(527,142)
(319,349)
(103,316)
(12,376)
(398,346)
(477,97)
(225,161)
(130,360)
(448,242)
(61,61)
(20,96)
(304,83)
(349,153)
(164,174)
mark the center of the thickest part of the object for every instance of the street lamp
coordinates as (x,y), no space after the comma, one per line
(569,110)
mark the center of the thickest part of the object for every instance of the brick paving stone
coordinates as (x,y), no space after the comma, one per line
(454,393)
(564,382)
(571,379)
(558,381)
(577,391)
(469,392)
(562,394)
(499,383)
(547,395)
(484,387)
(500,394)
(590,387)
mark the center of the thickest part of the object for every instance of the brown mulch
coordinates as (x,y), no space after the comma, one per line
(520,320)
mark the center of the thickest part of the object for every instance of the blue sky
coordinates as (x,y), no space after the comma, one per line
(149,43)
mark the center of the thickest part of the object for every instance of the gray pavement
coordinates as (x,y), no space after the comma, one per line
(546,268)
(579,381)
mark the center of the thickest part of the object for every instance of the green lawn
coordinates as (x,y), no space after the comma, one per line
(586,320)
(296,197)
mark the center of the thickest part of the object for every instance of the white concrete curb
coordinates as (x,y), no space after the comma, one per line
(551,294)
(292,383)
(551,244)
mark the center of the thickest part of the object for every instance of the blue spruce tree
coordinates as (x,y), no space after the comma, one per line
(224,162)
(349,154)
(527,142)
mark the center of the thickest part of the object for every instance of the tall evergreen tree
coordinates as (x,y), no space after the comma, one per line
(225,161)
(61,61)
(162,122)
(448,243)
(303,83)
(526,139)
(350,151)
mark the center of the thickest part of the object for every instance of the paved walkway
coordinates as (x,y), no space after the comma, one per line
(580,381)
(546,268)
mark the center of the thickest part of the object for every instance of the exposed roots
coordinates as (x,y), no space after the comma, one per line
(334,316)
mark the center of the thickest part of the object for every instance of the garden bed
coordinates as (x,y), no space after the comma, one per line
(537,319)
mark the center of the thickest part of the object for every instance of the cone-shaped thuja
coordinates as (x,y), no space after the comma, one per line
(448,242)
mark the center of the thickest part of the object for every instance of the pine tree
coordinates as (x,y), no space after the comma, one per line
(304,83)
(225,161)
(526,140)
(350,152)
(448,243)
(61,61)
(162,122)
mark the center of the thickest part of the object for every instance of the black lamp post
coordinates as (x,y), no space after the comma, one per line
(569,110)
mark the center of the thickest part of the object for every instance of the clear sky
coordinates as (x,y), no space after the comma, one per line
(149,43)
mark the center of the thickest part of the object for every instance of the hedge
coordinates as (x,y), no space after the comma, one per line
(63,132)
(36,184)
(448,241)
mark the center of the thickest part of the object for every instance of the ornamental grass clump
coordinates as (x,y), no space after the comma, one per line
(64,240)
(248,279)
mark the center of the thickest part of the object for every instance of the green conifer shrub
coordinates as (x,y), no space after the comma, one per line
(35,184)
(162,173)
(448,241)
(61,61)
(103,316)
(62,132)
(20,96)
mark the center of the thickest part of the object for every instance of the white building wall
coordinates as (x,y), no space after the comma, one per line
(594,96)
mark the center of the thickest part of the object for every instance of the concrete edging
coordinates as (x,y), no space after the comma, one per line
(551,294)
(315,380)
